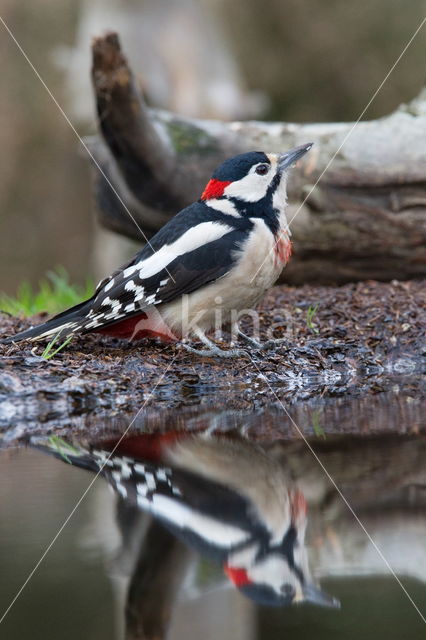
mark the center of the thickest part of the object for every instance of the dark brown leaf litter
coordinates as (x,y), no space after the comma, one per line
(363,339)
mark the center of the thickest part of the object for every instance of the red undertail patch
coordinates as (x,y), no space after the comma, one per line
(214,189)
(138,327)
(147,446)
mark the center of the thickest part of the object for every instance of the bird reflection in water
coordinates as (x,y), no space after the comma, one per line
(224,498)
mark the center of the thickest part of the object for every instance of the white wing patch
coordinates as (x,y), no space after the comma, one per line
(109,284)
(192,239)
(138,290)
(149,497)
(189,241)
(142,492)
(184,517)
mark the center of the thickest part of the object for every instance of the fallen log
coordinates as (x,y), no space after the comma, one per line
(366,217)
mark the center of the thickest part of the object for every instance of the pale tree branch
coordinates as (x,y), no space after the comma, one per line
(366,218)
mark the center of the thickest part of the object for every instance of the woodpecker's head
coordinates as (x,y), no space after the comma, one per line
(251,177)
(280,578)
(273,583)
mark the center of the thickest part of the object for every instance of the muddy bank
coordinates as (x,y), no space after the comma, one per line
(363,339)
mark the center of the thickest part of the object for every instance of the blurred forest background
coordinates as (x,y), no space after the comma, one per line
(290,60)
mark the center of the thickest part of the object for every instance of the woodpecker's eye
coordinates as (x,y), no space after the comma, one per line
(262,169)
(287,590)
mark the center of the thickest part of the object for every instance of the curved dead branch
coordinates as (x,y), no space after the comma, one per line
(364,219)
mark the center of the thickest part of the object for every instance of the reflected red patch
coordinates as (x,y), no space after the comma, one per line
(238,577)
(149,446)
(298,505)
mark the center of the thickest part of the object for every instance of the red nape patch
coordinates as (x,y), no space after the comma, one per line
(214,189)
(238,576)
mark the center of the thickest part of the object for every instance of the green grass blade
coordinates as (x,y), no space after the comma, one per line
(48,353)
(61,447)
(310,316)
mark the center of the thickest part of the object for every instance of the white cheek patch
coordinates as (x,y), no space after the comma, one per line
(252,187)
(274,571)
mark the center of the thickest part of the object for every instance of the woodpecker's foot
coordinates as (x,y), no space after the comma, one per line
(213,351)
(262,346)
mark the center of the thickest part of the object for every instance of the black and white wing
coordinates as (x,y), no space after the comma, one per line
(198,246)
(209,516)
(192,250)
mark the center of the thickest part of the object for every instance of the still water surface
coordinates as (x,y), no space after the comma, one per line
(118,572)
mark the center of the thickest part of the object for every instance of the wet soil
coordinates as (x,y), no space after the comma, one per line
(364,339)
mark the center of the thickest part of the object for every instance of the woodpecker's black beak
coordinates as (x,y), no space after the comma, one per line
(315,596)
(290,157)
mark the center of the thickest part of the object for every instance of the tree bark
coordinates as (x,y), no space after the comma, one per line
(365,218)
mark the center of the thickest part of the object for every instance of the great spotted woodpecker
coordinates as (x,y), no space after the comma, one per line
(218,254)
(226,499)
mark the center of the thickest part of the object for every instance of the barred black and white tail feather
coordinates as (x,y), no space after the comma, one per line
(208,515)
(63,325)
(128,477)
(76,456)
